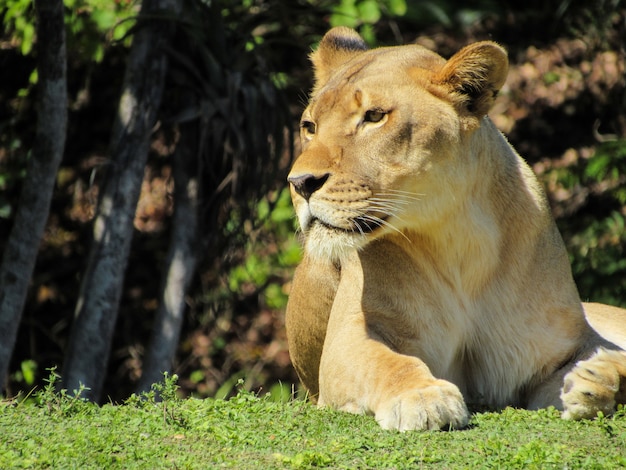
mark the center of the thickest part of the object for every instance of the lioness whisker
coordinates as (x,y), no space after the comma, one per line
(380,222)
(403,194)
(387,209)
(383,206)
(358,227)
(358,214)
(389,202)
(397,200)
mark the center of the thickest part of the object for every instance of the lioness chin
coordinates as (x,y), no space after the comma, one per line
(433,274)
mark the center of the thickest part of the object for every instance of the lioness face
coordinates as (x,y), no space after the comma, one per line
(380,141)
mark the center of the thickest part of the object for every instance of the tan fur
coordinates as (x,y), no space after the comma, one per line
(433,274)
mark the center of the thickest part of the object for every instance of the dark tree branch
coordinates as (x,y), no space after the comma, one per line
(22,246)
(97,307)
(181,261)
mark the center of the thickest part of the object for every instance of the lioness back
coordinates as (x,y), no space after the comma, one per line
(433,272)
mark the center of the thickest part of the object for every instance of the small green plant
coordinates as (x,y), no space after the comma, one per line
(59,402)
(168,389)
(162,396)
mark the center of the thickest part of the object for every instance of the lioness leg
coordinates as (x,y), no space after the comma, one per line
(360,372)
(312,292)
(596,384)
(599,382)
(436,404)
(362,375)
(608,321)
(398,390)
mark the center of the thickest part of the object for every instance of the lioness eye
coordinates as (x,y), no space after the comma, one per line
(308,127)
(374,115)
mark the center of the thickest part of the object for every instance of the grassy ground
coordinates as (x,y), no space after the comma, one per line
(247,432)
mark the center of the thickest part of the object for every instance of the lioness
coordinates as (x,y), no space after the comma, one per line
(433,272)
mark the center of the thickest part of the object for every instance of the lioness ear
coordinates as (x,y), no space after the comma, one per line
(474,76)
(336,47)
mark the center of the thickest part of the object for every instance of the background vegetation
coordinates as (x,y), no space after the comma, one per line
(563,107)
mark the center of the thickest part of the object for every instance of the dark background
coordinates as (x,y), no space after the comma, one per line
(563,107)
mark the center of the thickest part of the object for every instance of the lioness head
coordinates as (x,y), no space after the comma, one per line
(386,138)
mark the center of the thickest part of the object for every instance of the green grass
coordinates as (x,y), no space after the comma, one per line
(53,430)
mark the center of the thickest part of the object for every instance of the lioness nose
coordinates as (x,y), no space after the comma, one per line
(307,184)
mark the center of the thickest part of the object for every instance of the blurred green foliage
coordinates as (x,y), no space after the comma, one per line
(270,255)
(91,24)
(91,27)
(364,14)
(18,21)
(596,237)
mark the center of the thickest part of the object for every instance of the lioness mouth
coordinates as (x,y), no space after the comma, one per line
(361,225)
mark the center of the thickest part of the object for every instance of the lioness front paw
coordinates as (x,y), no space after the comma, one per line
(436,406)
(596,384)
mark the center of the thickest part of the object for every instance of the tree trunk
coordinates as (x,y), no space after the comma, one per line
(101,289)
(22,246)
(180,262)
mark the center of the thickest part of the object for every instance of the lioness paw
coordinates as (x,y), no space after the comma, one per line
(434,407)
(596,384)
